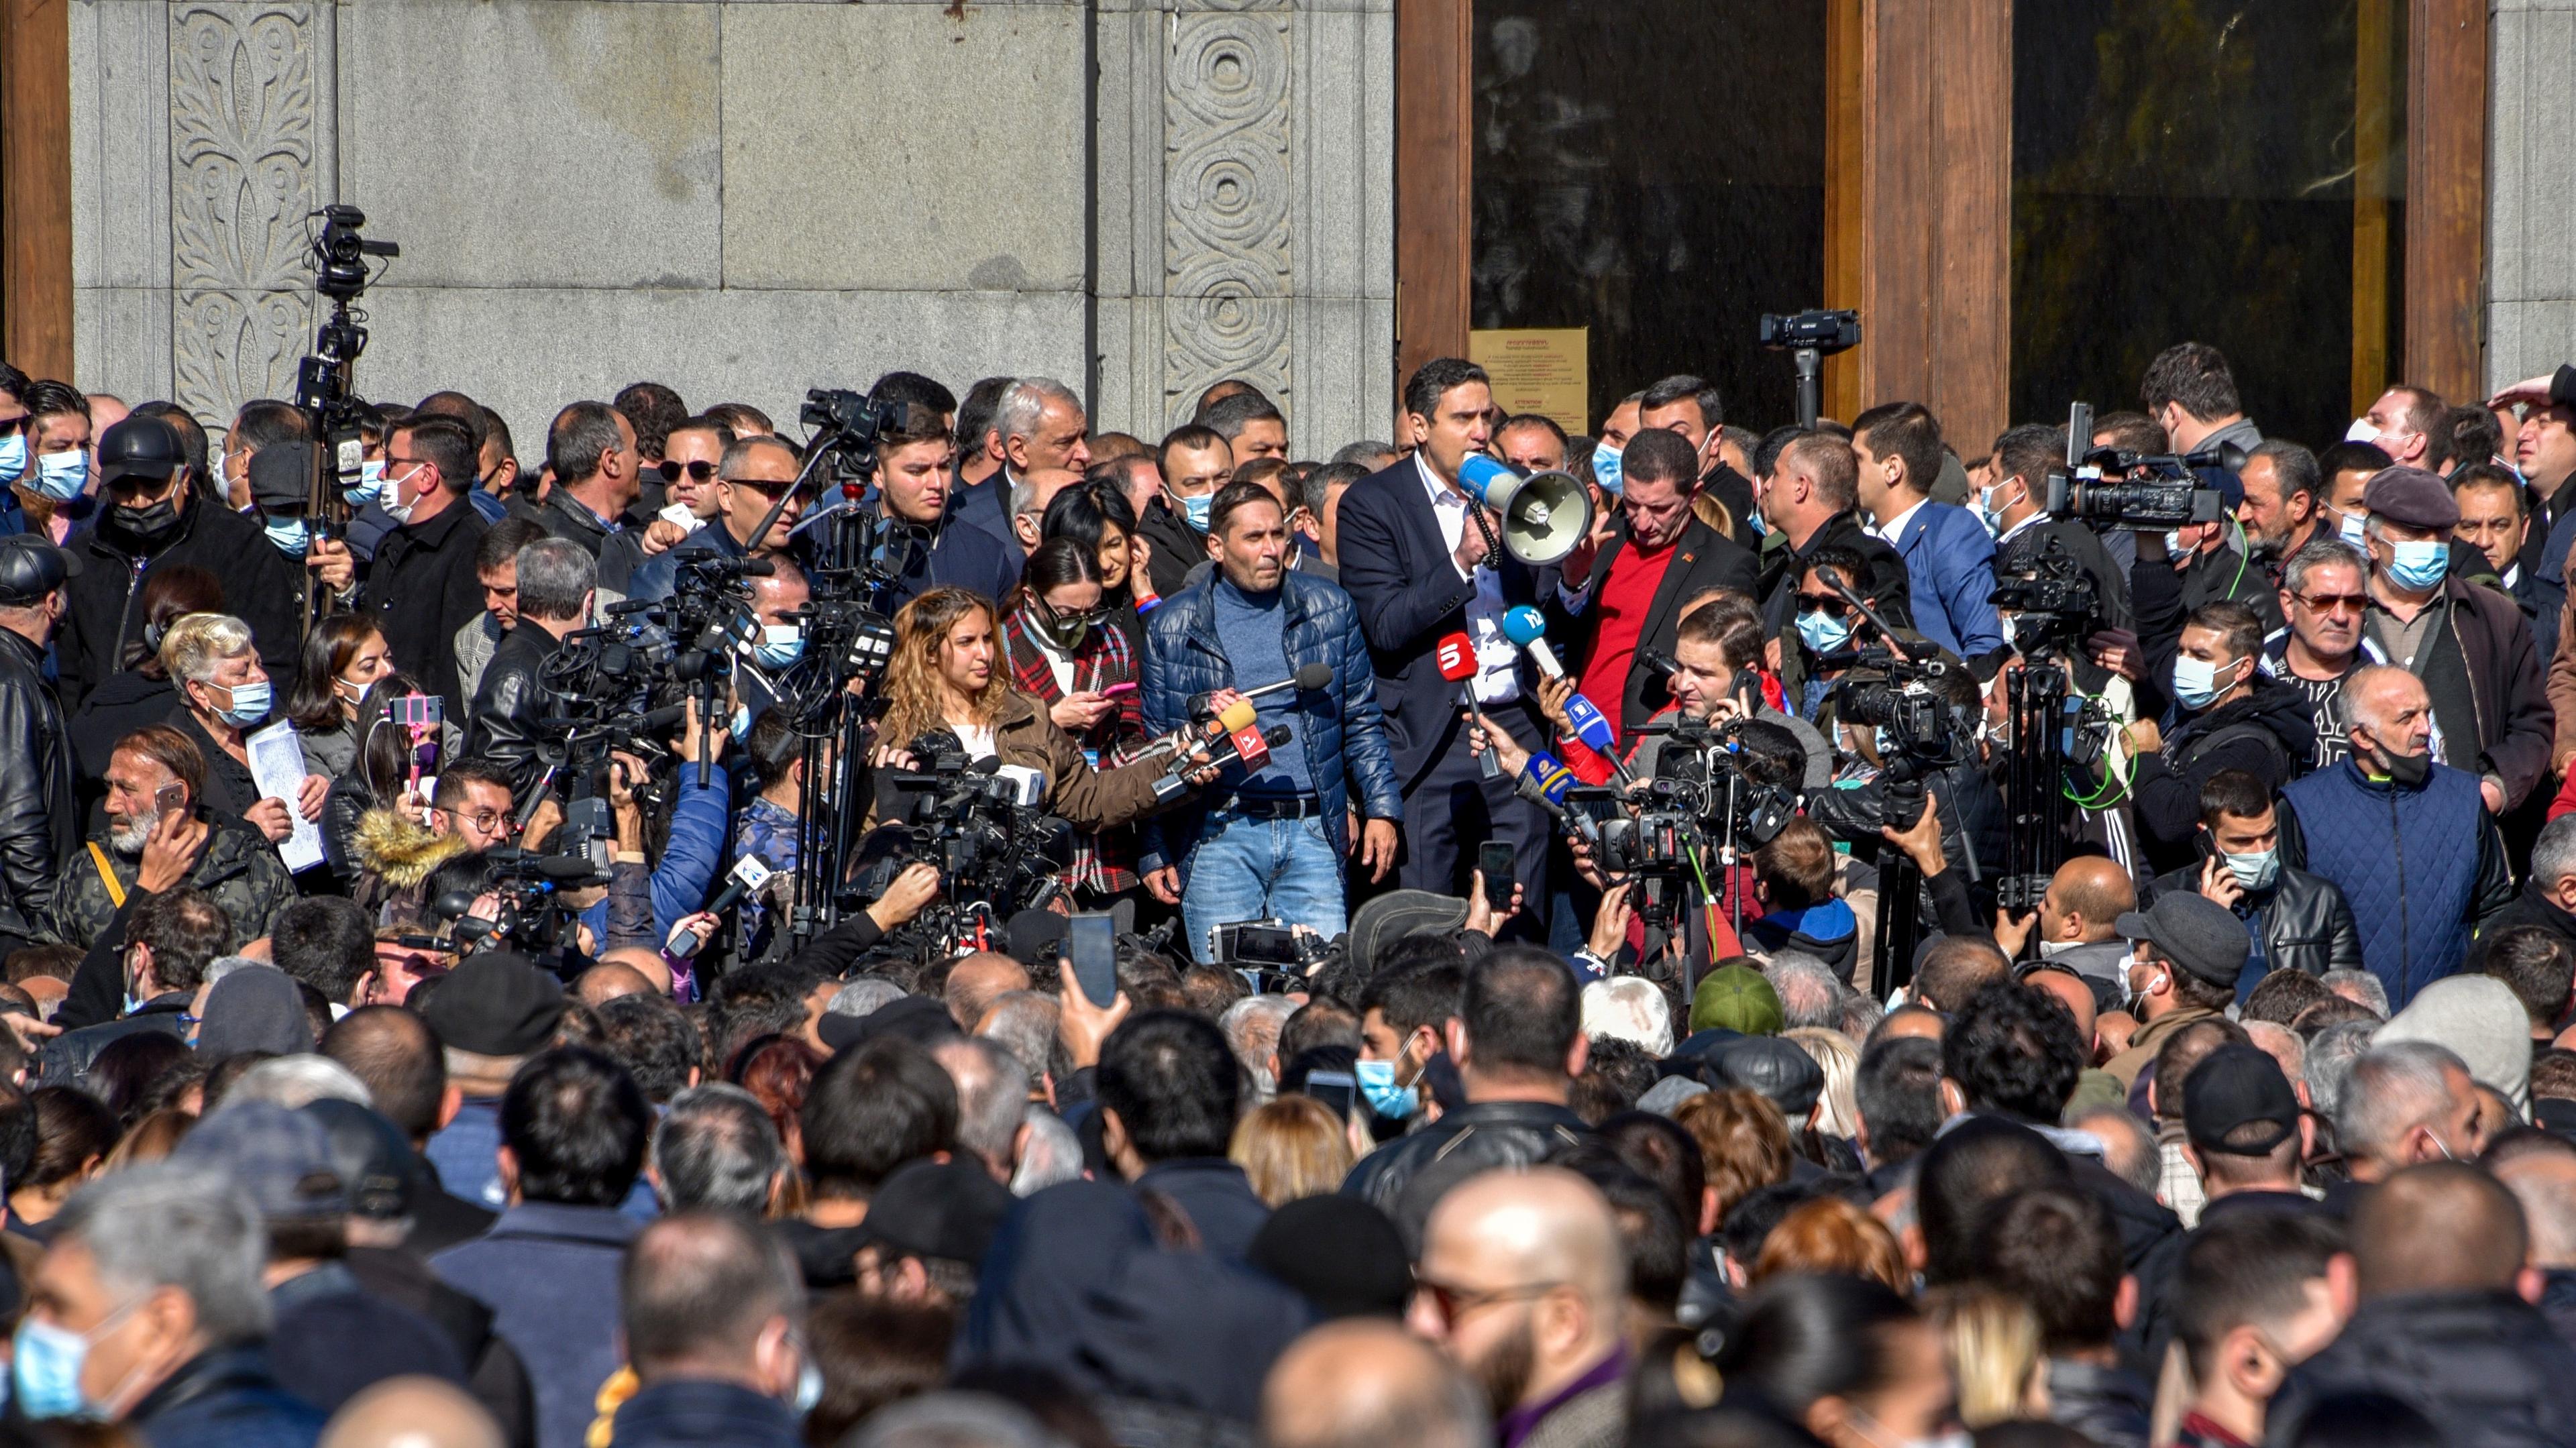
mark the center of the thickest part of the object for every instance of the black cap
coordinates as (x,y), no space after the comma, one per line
(2194,932)
(1388,918)
(140,447)
(281,477)
(496,1005)
(915,1018)
(2234,1088)
(1337,1252)
(940,1209)
(31,567)
(374,1161)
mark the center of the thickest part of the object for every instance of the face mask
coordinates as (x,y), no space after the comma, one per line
(13,457)
(2352,531)
(61,476)
(2196,683)
(2362,430)
(2173,543)
(290,535)
(250,705)
(150,522)
(45,1368)
(1385,1097)
(780,644)
(1051,627)
(2419,565)
(1196,510)
(371,484)
(2409,770)
(809,1388)
(1609,471)
(741,725)
(2007,623)
(2255,872)
(1823,632)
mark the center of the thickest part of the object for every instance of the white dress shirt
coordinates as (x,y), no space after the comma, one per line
(1895,527)
(1496,680)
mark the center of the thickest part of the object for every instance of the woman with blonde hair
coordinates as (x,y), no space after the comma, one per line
(224,697)
(1291,1148)
(1992,1340)
(1840,1059)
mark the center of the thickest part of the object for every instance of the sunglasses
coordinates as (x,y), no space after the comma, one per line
(2334,602)
(699,471)
(1829,607)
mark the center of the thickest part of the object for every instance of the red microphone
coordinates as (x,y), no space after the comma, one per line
(1457,658)
(1251,747)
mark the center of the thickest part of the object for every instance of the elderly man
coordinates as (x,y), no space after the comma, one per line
(2404,1103)
(1523,1281)
(159,835)
(2408,840)
(2324,599)
(1038,423)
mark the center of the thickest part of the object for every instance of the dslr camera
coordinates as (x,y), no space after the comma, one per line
(2116,488)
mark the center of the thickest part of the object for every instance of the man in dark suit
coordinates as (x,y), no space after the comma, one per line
(1688,406)
(1811,504)
(1657,556)
(1423,561)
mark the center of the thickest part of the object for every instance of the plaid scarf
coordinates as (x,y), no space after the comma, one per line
(1104,862)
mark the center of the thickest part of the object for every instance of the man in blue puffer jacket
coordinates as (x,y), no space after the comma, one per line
(2407,840)
(1268,842)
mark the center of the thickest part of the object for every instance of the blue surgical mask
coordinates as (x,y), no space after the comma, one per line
(2254,872)
(741,726)
(780,644)
(2196,683)
(45,1369)
(809,1388)
(13,457)
(1196,510)
(62,476)
(1379,1088)
(1823,632)
(290,535)
(1609,470)
(250,705)
(371,484)
(2419,565)
(2353,530)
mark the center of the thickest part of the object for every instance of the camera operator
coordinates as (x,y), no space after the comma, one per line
(1255,622)
(1811,501)
(1970,807)
(913,454)
(2010,505)
(556,580)
(2227,714)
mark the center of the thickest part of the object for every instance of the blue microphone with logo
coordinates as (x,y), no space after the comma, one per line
(1527,627)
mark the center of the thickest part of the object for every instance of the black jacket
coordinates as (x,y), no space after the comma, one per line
(1477,1137)
(422,589)
(2486,1366)
(1702,559)
(702,1414)
(2108,1405)
(494,1374)
(67,1057)
(2531,907)
(39,823)
(262,588)
(121,704)
(2269,734)
(1176,547)
(511,702)
(564,516)
(2307,926)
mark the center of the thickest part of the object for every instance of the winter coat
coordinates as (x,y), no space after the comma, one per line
(39,823)
(2268,734)
(262,587)
(389,859)
(1339,726)
(225,1398)
(2486,1366)
(236,865)
(2306,924)
(2420,867)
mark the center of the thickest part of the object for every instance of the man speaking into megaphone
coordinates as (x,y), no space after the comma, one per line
(1426,555)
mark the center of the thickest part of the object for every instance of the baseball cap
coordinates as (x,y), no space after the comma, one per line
(140,447)
(31,567)
(938,1209)
(2410,497)
(2194,932)
(498,1004)
(2232,1095)
(281,1158)
(281,476)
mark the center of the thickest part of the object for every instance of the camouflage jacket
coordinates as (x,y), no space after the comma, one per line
(237,866)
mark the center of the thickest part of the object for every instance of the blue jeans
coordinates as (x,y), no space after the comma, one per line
(1254,869)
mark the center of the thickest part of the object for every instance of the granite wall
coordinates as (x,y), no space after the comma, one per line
(746,198)
(2531,189)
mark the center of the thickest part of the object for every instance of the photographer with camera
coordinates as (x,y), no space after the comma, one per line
(751,476)
(2024,531)
(556,581)
(1273,847)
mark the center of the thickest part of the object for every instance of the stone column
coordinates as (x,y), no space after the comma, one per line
(2531,191)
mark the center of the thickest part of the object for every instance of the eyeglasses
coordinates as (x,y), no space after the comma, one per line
(2334,602)
(489,821)
(1829,607)
(1453,1302)
(698,471)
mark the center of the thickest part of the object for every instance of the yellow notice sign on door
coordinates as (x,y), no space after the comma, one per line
(1545,370)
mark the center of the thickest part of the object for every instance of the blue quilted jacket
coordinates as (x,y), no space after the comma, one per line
(1343,732)
(2407,861)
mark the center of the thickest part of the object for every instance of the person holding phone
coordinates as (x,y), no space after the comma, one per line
(343,657)
(1064,651)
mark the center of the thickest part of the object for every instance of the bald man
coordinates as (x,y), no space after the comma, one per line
(412,1413)
(1523,1282)
(2544,1182)
(2367,819)
(2445,1321)
(977,981)
(610,979)
(2078,915)
(1368,1384)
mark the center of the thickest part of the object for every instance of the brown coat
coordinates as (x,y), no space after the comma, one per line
(1088,798)
(2150,1039)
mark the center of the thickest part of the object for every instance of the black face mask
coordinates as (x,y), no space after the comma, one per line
(2408,770)
(150,523)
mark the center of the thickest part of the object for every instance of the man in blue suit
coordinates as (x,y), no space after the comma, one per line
(1423,561)
(1949,555)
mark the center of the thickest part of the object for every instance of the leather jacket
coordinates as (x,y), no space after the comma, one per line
(39,820)
(1478,1137)
(2306,924)
(510,702)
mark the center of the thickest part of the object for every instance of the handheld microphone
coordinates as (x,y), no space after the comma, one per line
(1307,677)
(1593,728)
(1457,659)
(748,875)
(1189,736)
(1250,747)
(1544,782)
(1527,627)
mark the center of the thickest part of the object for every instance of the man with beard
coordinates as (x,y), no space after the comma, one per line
(2281,512)
(1523,1281)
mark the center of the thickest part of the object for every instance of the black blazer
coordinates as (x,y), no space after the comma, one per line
(1703,559)
(1396,567)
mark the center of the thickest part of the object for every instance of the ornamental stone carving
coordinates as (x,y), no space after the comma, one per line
(1227,269)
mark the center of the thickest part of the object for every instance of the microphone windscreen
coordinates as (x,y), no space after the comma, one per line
(1314,675)
(1237,714)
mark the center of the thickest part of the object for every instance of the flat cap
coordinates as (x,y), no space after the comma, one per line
(281,476)
(2411,497)
(2194,932)
(31,567)
(498,1004)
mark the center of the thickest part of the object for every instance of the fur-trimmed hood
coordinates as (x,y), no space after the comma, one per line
(400,851)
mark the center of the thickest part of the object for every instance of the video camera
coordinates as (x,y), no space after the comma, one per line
(981,825)
(530,915)
(1272,954)
(2123,489)
(2054,603)
(1902,699)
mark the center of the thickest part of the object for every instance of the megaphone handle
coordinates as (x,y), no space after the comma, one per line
(1493,545)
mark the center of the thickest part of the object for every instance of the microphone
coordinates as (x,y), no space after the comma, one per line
(1544,782)
(1188,736)
(1527,627)
(1457,659)
(1249,747)
(1594,730)
(748,875)
(1308,677)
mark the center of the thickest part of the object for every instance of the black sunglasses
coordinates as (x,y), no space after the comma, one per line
(700,470)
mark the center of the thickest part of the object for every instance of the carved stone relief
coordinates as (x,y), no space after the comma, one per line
(1227,269)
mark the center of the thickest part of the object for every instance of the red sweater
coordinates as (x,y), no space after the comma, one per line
(1626,596)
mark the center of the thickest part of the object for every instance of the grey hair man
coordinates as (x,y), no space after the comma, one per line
(716,1149)
(1810,994)
(2329,1062)
(992,1100)
(1251,1027)
(2406,1102)
(557,585)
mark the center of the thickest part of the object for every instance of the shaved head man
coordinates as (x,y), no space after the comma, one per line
(607,981)
(1369,1385)
(977,981)
(412,1413)
(2545,1183)
(1523,1281)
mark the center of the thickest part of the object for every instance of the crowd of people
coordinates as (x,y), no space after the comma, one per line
(332,1111)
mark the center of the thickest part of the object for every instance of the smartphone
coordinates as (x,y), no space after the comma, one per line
(168,798)
(1338,1090)
(1494,857)
(419,711)
(1091,949)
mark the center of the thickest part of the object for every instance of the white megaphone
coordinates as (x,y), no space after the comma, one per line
(1544,515)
